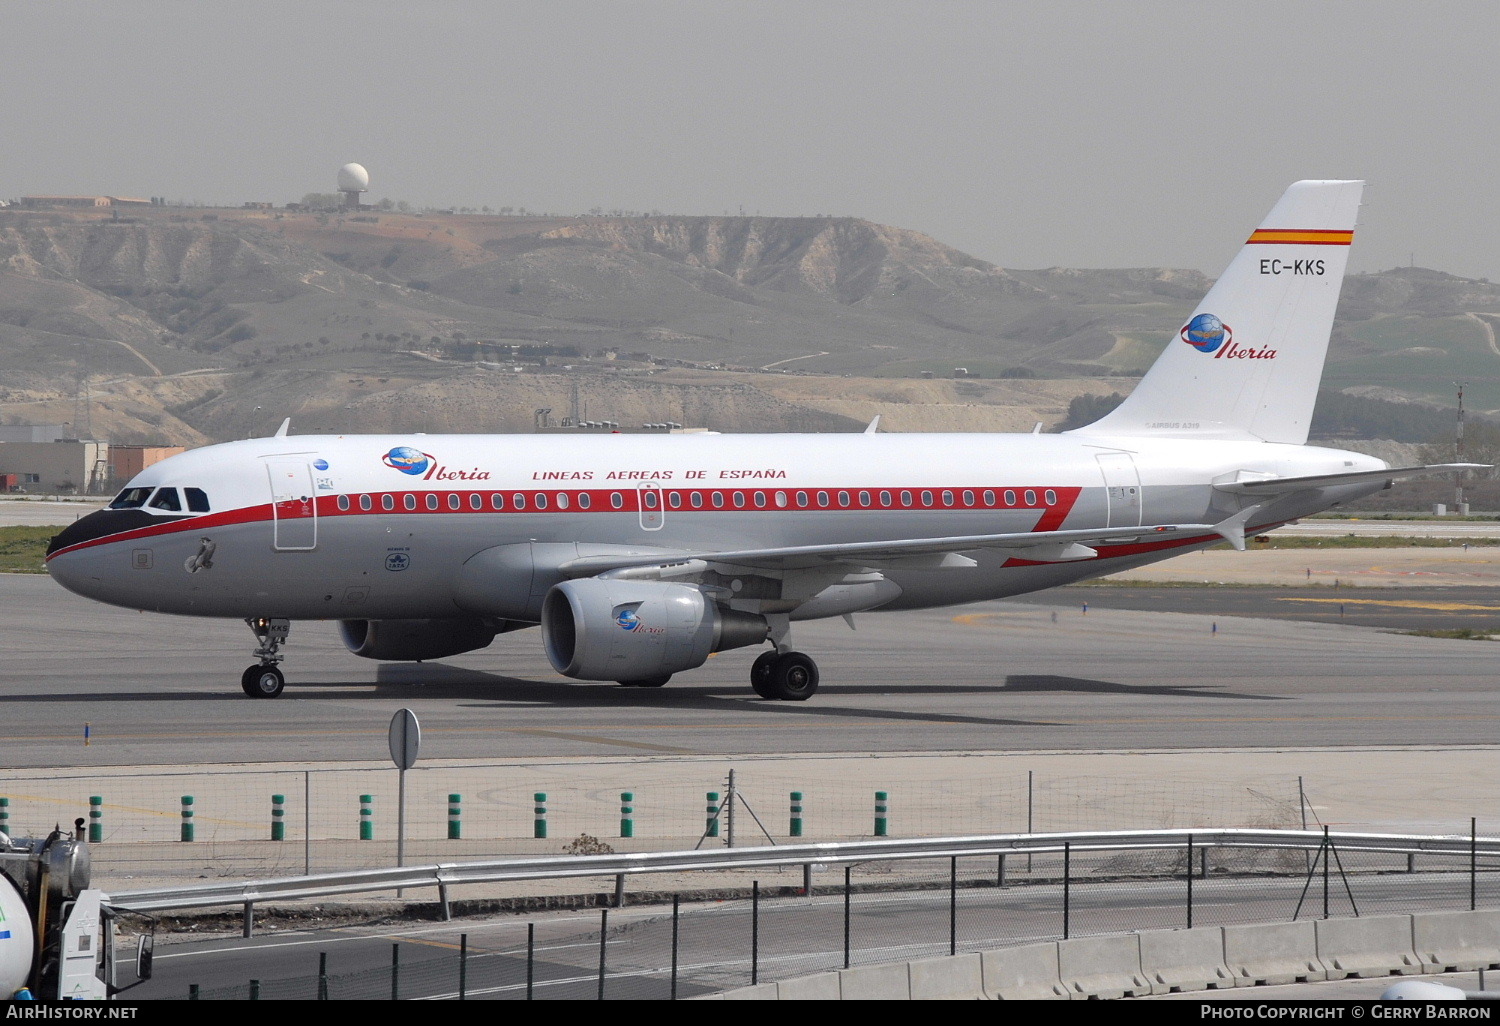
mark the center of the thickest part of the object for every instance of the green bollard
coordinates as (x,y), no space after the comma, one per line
(5,816)
(187,817)
(711,827)
(882,810)
(367,817)
(455,817)
(96,819)
(796,826)
(627,814)
(539,824)
(278,817)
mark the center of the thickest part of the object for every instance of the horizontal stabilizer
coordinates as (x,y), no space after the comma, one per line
(1283,485)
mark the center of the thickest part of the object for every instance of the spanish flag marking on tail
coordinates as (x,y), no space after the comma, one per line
(1300,237)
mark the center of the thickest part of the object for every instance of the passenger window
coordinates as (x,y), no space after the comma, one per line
(432,500)
(584,502)
(696,498)
(617,500)
(885,498)
(387,501)
(968,497)
(455,501)
(364,502)
(167,499)
(476,501)
(497,501)
(518,500)
(131,498)
(343,503)
(197,500)
(541,500)
(1030,497)
(409,501)
(562,500)
(1050,497)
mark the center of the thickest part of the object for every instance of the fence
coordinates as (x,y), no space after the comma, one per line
(872,910)
(322,822)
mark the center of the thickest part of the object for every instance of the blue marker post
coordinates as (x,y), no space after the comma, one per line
(87,729)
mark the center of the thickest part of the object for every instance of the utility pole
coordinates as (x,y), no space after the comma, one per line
(1459,507)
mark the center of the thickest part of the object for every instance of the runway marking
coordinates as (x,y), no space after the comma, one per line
(1444,606)
(535,732)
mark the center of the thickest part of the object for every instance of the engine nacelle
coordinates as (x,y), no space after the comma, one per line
(417,639)
(603,629)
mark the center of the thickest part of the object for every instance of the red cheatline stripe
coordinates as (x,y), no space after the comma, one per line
(771,500)
(1301,237)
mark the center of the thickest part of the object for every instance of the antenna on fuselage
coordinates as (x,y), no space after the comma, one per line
(281,431)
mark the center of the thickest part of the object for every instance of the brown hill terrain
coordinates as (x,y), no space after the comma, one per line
(195,325)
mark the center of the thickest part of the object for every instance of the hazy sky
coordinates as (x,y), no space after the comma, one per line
(1089,134)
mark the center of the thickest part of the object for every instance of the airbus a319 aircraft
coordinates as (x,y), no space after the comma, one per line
(641,555)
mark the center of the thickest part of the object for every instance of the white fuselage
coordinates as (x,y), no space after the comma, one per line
(389,527)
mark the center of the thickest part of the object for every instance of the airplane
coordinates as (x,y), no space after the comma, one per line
(640,555)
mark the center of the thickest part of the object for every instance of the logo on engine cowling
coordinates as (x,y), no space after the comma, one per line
(628,621)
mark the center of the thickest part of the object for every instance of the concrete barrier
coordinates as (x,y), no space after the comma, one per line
(1102,967)
(759,992)
(875,983)
(819,987)
(951,978)
(1277,953)
(1371,946)
(1456,941)
(1027,973)
(1179,960)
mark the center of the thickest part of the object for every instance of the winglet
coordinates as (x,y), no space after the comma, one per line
(874,425)
(281,431)
(1233,529)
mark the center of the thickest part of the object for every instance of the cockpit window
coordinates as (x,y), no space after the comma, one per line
(167,499)
(197,500)
(130,498)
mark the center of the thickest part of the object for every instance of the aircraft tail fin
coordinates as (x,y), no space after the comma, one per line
(1248,362)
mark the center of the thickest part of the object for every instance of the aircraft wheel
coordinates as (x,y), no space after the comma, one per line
(646,682)
(262,681)
(761,672)
(794,677)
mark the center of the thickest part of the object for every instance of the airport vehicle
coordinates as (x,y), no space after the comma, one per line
(57,937)
(641,555)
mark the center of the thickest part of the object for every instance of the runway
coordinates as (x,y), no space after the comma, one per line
(995,677)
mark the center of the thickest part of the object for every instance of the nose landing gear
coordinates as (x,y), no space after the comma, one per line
(264,679)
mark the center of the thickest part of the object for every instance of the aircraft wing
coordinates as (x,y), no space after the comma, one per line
(1044,546)
(1281,485)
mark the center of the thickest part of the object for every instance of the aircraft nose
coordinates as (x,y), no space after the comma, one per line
(101,524)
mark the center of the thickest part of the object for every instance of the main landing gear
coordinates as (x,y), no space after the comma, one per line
(784,676)
(264,679)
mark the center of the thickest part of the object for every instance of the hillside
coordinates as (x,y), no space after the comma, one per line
(197,325)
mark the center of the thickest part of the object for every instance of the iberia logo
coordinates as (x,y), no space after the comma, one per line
(628,621)
(1207,334)
(407,460)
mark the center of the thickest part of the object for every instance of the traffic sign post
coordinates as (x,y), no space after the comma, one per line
(405,739)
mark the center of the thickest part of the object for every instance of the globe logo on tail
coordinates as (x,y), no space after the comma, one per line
(1206,333)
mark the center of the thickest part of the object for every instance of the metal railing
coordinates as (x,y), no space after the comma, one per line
(453,874)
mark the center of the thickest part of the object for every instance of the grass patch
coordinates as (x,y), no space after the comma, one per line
(1458,633)
(1352,541)
(23,550)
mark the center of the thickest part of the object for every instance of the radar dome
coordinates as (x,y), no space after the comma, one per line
(353,178)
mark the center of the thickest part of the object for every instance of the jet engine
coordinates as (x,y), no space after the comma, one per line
(418,639)
(603,629)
